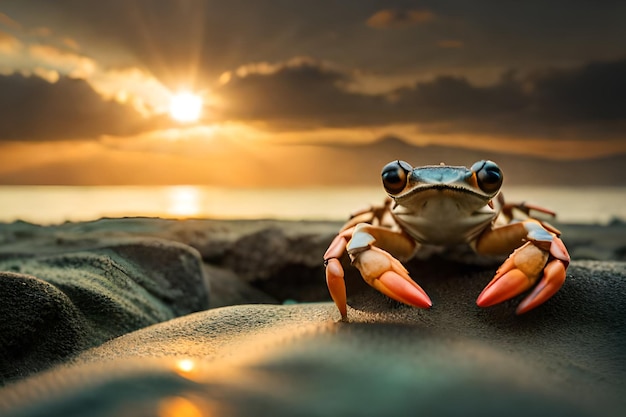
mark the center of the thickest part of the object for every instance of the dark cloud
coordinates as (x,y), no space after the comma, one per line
(197,40)
(448,99)
(594,92)
(305,93)
(204,38)
(394,18)
(584,100)
(34,109)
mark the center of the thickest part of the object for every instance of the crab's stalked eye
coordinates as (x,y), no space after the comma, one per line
(488,175)
(395,175)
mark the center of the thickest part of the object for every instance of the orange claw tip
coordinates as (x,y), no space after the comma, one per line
(337,286)
(550,284)
(404,290)
(507,266)
(508,286)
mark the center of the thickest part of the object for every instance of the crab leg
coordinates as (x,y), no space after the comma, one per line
(543,252)
(377,266)
(507,209)
(371,215)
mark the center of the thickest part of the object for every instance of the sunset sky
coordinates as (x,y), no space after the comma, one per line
(86,87)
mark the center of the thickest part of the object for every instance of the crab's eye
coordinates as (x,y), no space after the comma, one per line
(488,175)
(395,176)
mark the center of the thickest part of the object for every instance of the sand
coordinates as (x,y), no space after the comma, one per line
(202,317)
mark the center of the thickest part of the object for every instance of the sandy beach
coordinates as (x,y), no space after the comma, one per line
(142,316)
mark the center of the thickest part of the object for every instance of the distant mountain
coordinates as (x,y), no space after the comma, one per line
(240,164)
(518,169)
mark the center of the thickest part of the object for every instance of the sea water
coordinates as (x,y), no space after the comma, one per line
(57,204)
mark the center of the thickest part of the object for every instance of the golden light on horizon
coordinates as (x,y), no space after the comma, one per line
(184,201)
(186,107)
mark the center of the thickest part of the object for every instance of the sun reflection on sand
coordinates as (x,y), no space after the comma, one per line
(183,201)
(179,407)
(185,365)
(190,370)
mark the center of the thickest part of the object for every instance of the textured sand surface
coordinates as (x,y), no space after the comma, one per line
(111,304)
(57,304)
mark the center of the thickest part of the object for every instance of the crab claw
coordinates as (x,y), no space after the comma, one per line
(337,286)
(553,279)
(520,272)
(387,275)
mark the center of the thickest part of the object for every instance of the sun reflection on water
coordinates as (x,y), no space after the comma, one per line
(183,201)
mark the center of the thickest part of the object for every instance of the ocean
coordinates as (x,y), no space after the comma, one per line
(57,204)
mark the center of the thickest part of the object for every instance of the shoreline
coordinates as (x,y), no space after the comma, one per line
(597,205)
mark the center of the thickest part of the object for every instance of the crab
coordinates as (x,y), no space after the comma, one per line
(448,205)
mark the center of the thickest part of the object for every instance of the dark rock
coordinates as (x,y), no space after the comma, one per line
(53,306)
(228,289)
(281,265)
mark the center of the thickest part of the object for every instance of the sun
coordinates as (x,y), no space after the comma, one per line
(186,107)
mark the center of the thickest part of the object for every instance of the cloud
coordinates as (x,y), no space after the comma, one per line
(133,85)
(594,92)
(191,43)
(450,43)
(72,64)
(53,58)
(32,108)
(196,41)
(302,92)
(6,21)
(572,103)
(393,18)
(71,43)
(41,32)
(9,44)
